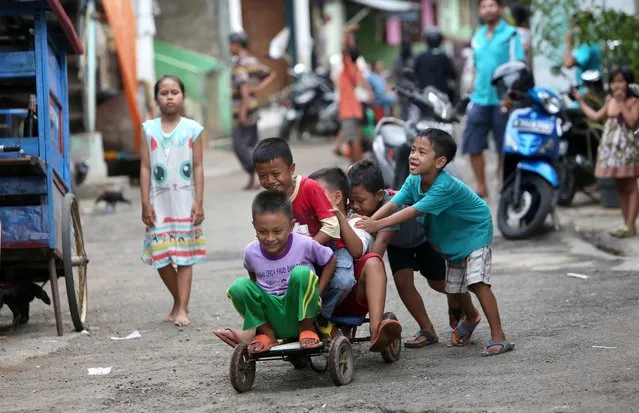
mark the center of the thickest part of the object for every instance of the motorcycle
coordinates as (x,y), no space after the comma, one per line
(394,137)
(576,168)
(533,145)
(311,105)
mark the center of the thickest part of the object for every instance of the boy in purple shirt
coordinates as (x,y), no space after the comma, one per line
(281,297)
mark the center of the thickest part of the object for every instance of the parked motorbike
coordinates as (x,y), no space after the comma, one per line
(394,137)
(576,168)
(533,146)
(311,105)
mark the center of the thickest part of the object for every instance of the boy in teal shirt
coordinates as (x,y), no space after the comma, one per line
(458,224)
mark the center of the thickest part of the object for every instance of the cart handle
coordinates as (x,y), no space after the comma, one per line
(10,148)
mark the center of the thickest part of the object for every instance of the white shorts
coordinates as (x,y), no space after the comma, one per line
(474,269)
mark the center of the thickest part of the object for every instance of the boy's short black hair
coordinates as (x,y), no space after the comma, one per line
(443,144)
(270,149)
(336,180)
(500,3)
(272,201)
(367,174)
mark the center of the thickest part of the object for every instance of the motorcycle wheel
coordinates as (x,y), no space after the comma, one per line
(530,214)
(567,183)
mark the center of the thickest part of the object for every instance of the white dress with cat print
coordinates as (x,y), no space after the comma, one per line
(174,240)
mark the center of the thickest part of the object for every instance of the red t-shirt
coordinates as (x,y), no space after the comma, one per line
(311,205)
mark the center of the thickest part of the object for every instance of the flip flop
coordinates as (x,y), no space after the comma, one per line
(234,341)
(506,346)
(309,335)
(265,341)
(461,334)
(430,339)
(454,315)
(387,331)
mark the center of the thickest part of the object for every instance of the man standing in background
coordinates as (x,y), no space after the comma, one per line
(587,56)
(494,44)
(248,77)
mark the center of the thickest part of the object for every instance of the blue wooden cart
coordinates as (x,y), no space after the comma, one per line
(41,234)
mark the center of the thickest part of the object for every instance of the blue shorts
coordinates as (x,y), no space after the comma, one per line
(340,284)
(479,121)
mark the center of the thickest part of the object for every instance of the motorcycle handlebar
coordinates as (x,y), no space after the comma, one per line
(10,148)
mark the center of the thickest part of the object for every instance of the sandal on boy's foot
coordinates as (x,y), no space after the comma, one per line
(309,335)
(461,334)
(264,341)
(429,339)
(623,232)
(387,331)
(232,341)
(504,347)
(454,315)
(328,331)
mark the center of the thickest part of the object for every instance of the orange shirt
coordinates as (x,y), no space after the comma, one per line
(349,106)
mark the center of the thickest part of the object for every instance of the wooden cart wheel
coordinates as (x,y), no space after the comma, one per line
(242,369)
(341,363)
(75,261)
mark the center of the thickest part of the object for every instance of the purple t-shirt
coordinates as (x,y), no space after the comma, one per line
(272,273)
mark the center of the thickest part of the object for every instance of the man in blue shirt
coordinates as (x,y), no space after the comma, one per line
(494,44)
(586,56)
(458,224)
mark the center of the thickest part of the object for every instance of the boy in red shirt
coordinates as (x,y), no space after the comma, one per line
(313,215)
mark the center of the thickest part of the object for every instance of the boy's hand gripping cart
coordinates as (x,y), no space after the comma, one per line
(40,230)
(337,354)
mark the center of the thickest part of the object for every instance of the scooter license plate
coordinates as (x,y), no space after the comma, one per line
(290,114)
(534,126)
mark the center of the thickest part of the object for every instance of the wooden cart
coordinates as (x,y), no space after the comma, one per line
(40,230)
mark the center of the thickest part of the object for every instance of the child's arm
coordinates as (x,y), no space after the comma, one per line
(351,239)
(387,209)
(148,212)
(327,273)
(590,113)
(382,240)
(371,225)
(197,211)
(322,237)
(630,113)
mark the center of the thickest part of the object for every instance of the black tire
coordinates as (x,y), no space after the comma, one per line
(541,193)
(286,128)
(242,370)
(341,363)
(393,352)
(567,183)
(74,258)
(401,167)
(299,361)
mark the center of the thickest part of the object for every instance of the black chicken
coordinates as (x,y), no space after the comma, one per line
(111,198)
(17,295)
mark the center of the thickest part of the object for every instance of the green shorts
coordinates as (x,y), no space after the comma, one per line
(282,313)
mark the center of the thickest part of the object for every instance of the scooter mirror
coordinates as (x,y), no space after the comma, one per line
(279,44)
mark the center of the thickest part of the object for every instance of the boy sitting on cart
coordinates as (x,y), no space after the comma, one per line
(281,296)
(368,296)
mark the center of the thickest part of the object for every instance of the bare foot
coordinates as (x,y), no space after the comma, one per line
(181,319)
(171,317)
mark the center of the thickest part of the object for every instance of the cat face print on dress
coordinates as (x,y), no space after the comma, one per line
(169,177)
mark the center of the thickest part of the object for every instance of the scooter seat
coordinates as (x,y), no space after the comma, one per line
(392,134)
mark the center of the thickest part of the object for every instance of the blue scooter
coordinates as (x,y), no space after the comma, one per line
(532,147)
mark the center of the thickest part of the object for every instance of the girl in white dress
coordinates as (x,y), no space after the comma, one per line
(172,188)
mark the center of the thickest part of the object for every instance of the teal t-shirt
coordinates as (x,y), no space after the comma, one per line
(588,57)
(457,221)
(488,54)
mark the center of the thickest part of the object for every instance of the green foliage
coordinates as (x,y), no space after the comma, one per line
(614,31)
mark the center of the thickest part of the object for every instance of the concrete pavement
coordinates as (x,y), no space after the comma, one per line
(575,337)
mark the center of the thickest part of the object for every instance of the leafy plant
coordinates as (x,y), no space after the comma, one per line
(614,31)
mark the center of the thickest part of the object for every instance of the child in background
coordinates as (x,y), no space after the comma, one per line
(281,296)
(368,296)
(458,224)
(313,216)
(408,251)
(172,188)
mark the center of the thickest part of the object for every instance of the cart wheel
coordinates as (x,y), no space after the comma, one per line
(75,261)
(299,361)
(392,353)
(242,371)
(341,362)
